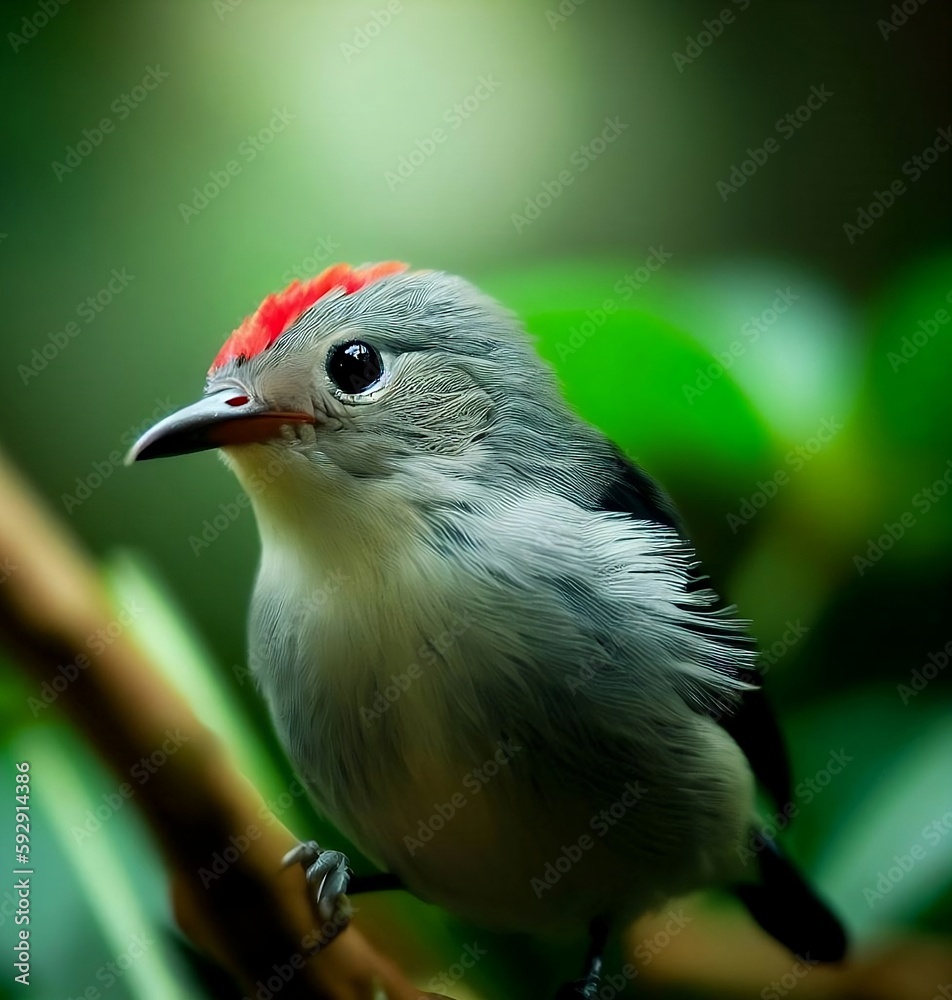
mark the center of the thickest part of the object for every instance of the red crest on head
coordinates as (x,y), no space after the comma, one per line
(278,312)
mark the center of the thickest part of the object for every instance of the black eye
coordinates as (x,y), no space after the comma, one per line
(354,367)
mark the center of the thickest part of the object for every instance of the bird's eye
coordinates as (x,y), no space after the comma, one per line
(354,367)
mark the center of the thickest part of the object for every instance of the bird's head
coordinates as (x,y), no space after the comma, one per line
(377,378)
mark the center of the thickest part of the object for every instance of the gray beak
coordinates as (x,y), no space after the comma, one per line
(228,417)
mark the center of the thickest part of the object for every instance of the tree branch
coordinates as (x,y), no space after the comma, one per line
(252,918)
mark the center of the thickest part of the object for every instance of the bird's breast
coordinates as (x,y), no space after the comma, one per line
(426,718)
(355,666)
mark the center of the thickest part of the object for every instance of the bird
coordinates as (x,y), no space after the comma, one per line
(481,630)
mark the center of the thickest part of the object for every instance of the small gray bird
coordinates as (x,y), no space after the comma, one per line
(480,629)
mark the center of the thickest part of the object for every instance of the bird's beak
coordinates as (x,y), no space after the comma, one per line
(226,418)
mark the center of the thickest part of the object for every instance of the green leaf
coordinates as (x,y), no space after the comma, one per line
(636,377)
(888,852)
(104,846)
(908,406)
(163,631)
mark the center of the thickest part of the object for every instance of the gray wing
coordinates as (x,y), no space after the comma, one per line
(750,721)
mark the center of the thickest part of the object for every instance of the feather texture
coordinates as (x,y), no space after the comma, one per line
(480,630)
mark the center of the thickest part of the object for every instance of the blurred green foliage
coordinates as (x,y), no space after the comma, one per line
(789,388)
(898,741)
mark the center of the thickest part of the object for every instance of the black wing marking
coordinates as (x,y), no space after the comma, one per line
(787,908)
(751,722)
(633,491)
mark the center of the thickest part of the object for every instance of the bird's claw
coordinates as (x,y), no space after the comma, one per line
(304,853)
(328,874)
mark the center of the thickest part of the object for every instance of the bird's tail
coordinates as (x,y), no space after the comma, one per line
(789,910)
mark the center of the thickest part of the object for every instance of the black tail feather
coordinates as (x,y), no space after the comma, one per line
(789,910)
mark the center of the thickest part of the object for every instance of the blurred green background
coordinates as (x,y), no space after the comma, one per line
(731,237)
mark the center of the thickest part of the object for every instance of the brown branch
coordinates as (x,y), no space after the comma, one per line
(253,917)
(720,952)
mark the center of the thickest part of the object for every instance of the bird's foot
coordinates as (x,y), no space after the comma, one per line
(328,875)
(586,988)
(581,989)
